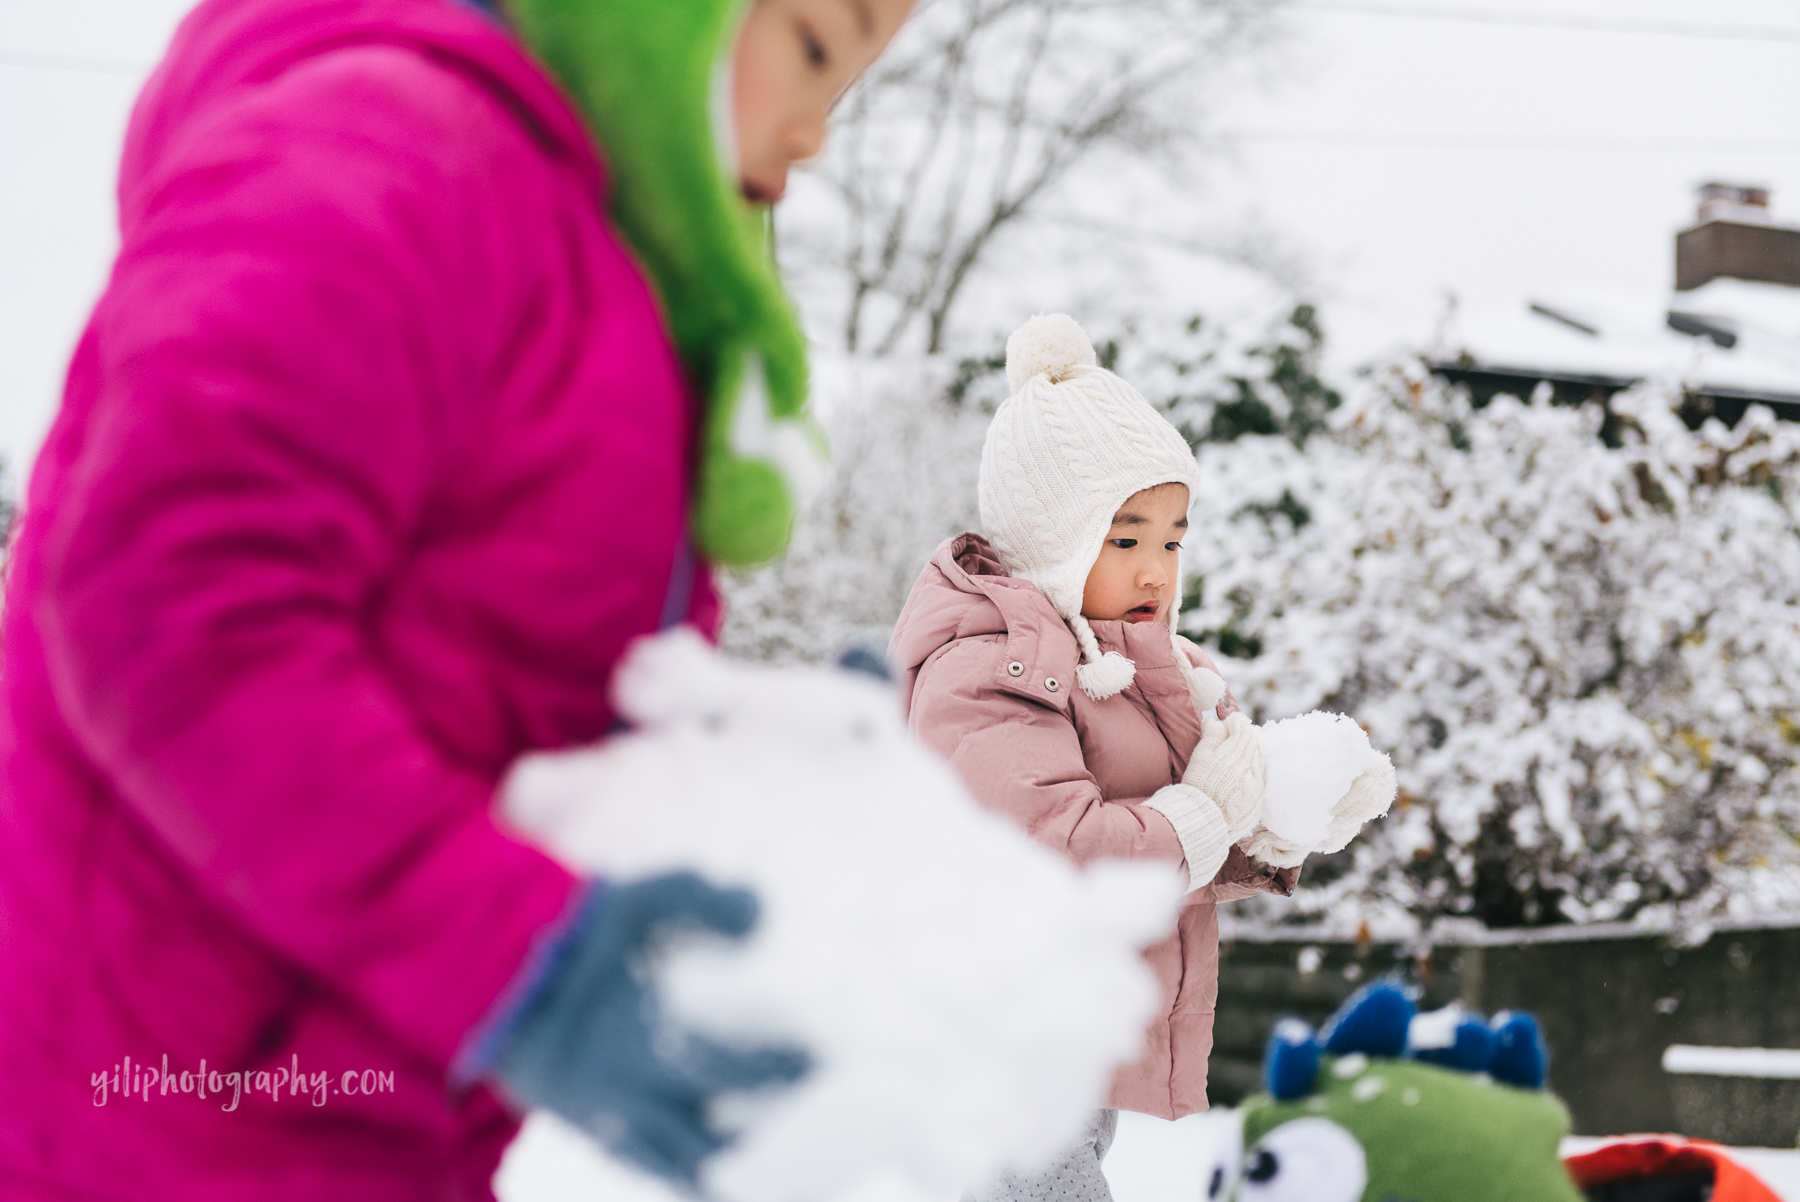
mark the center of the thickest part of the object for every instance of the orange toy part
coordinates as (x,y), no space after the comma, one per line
(1666,1157)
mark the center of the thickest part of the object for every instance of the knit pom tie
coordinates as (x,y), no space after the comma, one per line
(1100,676)
(1111,674)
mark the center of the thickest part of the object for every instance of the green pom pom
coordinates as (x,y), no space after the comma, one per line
(743,515)
(645,75)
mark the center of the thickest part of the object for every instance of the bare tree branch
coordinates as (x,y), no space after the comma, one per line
(977,118)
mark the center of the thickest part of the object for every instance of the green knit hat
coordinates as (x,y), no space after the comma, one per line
(652,78)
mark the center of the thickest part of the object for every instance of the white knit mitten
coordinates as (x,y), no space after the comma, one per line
(1228,767)
(1369,797)
(1266,847)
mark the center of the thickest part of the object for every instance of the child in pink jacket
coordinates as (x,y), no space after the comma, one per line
(1042,661)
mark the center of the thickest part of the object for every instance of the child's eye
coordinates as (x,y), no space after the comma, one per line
(1123,544)
(1171,546)
(813,49)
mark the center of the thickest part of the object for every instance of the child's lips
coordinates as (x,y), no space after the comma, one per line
(760,193)
(1143,613)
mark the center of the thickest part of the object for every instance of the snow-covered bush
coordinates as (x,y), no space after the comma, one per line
(905,453)
(1585,660)
(1222,380)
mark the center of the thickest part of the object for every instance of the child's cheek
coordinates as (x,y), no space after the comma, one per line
(755,93)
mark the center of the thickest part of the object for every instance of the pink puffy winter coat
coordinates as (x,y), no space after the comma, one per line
(989,682)
(373,458)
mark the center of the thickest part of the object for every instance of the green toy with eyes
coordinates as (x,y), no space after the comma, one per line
(653,81)
(1388,1105)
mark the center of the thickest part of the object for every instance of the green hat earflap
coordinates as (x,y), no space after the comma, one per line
(653,80)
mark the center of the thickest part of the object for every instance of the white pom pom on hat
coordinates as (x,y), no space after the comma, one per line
(1049,342)
(1069,447)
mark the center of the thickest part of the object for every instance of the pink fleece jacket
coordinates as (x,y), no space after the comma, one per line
(989,682)
(372,459)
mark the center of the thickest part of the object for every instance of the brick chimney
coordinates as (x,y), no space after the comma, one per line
(1736,238)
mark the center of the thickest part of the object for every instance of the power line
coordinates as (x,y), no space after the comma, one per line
(1554,20)
(33,61)
(1426,139)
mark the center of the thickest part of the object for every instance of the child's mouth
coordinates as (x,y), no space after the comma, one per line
(761,194)
(1143,613)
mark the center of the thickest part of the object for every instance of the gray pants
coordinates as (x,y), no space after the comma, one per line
(1074,1176)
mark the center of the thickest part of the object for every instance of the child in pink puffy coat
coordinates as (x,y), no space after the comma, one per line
(1042,661)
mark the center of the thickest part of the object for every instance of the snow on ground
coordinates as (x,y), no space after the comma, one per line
(1152,1161)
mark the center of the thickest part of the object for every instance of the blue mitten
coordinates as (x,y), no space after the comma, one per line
(589,1039)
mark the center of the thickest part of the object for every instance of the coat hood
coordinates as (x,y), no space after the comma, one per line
(965,591)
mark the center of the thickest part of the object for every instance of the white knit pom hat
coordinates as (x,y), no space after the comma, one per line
(1070,445)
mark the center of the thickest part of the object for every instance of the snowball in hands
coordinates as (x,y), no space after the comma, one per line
(1312,760)
(1323,782)
(964,992)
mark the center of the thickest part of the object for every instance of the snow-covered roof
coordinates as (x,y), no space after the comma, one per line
(1628,337)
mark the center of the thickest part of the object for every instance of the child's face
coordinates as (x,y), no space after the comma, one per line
(793,59)
(1135,576)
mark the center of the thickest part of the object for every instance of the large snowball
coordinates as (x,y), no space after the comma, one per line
(966,993)
(1312,759)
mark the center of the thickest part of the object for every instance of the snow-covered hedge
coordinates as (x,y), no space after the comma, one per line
(905,450)
(1585,660)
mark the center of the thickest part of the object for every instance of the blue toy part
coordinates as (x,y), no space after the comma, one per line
(1291,1063)
(1520,1055)
(859,657)
(1471,1051)
(1378,1020)
(1374,1022)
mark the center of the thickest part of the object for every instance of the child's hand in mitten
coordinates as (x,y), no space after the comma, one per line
(590,1039)
(1228,766)
(1266,847)
(1369,796)
(1220,797)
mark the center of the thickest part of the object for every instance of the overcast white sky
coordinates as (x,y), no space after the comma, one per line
(1403,154)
